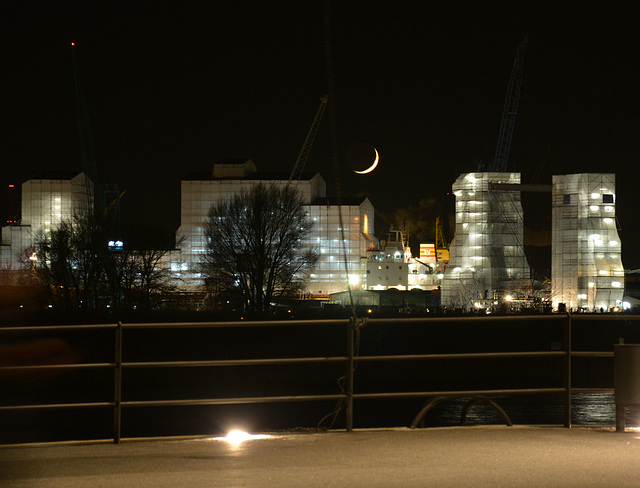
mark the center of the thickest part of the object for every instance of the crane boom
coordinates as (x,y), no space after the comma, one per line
(85,138)
(308,142)
(510,110)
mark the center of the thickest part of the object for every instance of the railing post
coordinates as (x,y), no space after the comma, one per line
(349,374)
(117,394)
(567,371)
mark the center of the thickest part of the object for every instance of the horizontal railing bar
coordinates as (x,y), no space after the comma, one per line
(329,359)
(231,325)
(233,362)
(280,323)
(415,394)
(51,406)
(45,367)
(466,318)
(471,355)
(294,398)
(57,328)
(231,401)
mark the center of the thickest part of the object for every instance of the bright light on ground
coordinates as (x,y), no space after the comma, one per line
(238,436)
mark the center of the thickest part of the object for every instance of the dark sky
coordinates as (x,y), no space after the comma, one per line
(172,87)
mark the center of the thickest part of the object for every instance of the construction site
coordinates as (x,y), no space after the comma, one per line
(484,268)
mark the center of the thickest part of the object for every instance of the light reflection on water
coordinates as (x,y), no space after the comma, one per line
(586,409)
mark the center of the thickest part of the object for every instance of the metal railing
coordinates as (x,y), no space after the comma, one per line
(350,359)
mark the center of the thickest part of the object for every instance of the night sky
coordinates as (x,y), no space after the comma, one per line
(172,87)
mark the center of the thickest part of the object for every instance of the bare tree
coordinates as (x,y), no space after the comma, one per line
(255,246)
(69,262)
(73,264)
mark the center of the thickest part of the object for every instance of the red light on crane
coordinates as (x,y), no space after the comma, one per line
(73,44)
(11,186)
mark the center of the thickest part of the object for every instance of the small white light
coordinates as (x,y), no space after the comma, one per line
(593,208)
(237,436)
(595,195)
(615,284)
(607,220)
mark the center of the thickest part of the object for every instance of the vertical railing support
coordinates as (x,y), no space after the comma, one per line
(117,393)
(349,374)
(567,371)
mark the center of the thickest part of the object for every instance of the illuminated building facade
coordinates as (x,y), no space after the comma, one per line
(487,254)
(47,200)
(394,267)
(200,192)
(586,262)
(330,275)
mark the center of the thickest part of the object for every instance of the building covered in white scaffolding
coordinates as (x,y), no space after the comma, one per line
(339,243)
(487,261)
(586,262)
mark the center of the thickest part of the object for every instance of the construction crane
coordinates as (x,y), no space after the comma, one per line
(298,168)
(103,200)
(442,246)
(85,139)
(510,110)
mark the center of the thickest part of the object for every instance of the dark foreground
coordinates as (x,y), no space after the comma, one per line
(443,457)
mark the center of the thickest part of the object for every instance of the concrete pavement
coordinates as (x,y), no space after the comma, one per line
(495,456)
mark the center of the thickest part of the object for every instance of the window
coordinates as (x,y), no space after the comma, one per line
(607,198)
(566,199)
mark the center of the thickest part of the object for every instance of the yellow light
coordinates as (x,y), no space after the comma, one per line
(365,224)
(508,298)
(237,436)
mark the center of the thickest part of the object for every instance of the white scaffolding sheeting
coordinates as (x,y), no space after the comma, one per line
(586,262)
(486,254)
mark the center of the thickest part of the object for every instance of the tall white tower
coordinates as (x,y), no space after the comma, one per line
(487,250)
(586,262)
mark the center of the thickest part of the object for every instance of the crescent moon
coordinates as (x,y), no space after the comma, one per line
(372,167)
